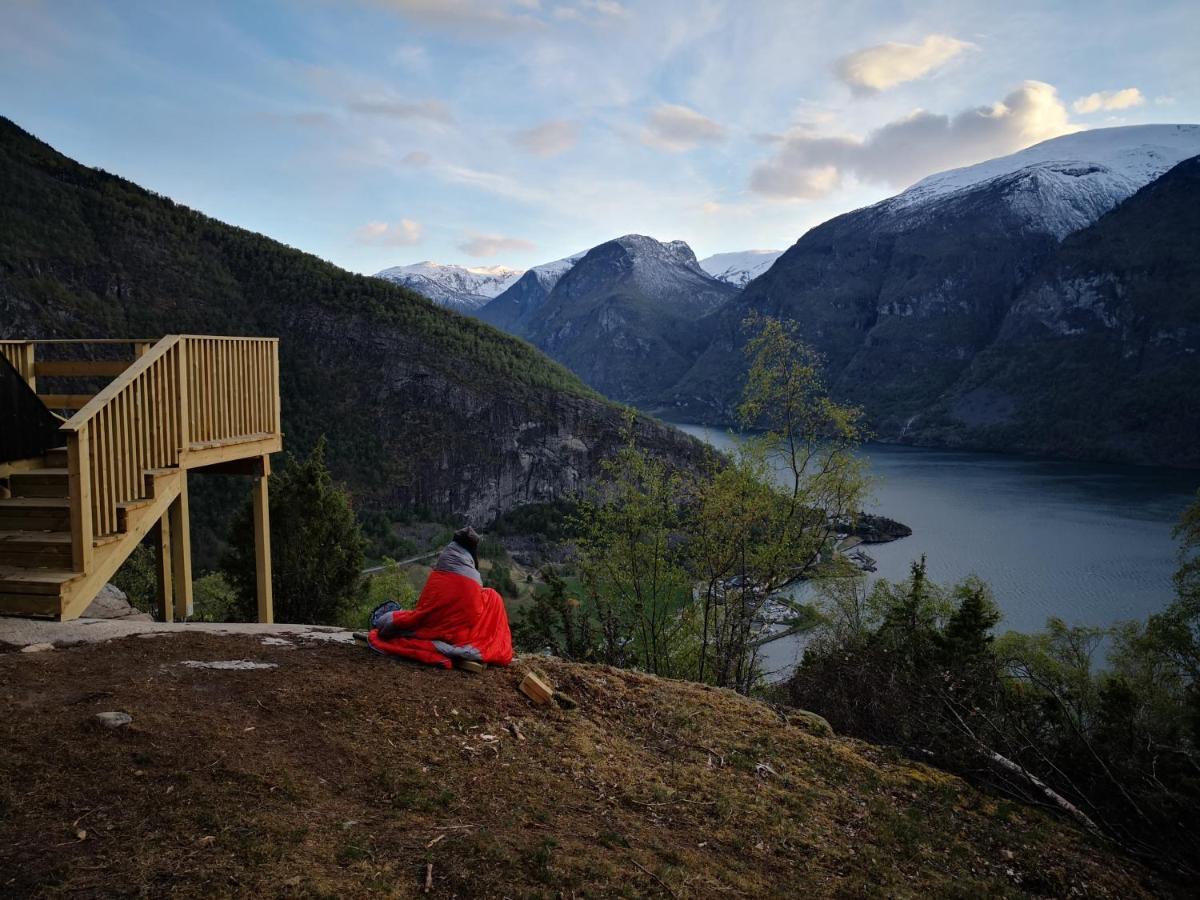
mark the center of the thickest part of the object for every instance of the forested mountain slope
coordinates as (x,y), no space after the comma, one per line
(423,408)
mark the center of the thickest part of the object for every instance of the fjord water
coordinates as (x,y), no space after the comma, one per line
(1089,543)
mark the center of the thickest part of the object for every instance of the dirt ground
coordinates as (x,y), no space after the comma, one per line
(339,774)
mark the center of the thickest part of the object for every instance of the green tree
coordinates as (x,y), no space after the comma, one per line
(214,599)
(138,578)
(555,622)
(630,560)
(317,546)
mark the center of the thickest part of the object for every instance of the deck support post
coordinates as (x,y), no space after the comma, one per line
(162,570)
(179,524)
(262,541)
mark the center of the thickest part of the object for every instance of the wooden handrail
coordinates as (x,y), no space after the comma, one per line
(120,383)
(182,396)
(78,341)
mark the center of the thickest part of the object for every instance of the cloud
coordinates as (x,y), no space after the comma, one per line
(395,108)
(884,66)
(491,244)
(482,16)
(596,11)
(416,158)
(1109,100)
(404,233)
(808,165)
(548,139)
(413,57)
(678,128)
(605,8)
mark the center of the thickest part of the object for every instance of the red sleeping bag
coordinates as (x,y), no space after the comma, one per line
(455,618)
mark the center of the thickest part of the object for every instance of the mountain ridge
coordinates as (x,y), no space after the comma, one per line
(461,288)
(637,299)
(739,267)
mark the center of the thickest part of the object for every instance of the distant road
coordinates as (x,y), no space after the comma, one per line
(375,570)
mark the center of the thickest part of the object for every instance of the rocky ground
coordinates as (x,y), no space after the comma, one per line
(297,767)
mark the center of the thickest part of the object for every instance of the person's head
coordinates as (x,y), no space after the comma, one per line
(468,539)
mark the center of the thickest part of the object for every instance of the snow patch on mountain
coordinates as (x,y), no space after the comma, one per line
(741,267)
(1066,183)
(464,288)
(549,273)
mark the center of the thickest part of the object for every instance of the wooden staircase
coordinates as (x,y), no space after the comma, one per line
(70,517)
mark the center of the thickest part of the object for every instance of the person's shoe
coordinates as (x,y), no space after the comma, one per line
(382,610)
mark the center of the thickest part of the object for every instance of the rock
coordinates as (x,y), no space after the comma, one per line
(879,529)
(238,664)
(113,719)
(810,722)
(36,648)
(112,603)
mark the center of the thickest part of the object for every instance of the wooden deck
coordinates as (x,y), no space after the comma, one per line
(186,403)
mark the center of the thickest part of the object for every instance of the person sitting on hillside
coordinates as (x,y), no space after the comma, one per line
(456,617)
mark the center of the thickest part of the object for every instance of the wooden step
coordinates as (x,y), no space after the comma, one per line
(50,549)
(35,514)
(56,457)
(46,605)
(127,511)
(46,482)
(17,580)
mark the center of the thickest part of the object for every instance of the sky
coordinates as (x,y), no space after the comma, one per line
(383,132)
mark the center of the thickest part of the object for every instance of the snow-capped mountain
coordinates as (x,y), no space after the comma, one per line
(900,297)
(1067,183)
(740,267)
(625,316)
(462,288)
(514,309)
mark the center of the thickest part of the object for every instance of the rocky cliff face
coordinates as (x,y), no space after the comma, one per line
(1100,350)
(485,449)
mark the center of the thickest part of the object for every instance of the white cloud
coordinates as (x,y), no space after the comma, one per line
(416,158)
(549,138)
(808,165)
(679,128)
(1164,101)
(887,65)
(413,57)
(484,16)
(404,233)
(491,244)
(396,108)
(605,8)
(1109,100)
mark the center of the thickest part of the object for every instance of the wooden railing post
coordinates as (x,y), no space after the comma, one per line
(29,365)
(183,407)
(80,491)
